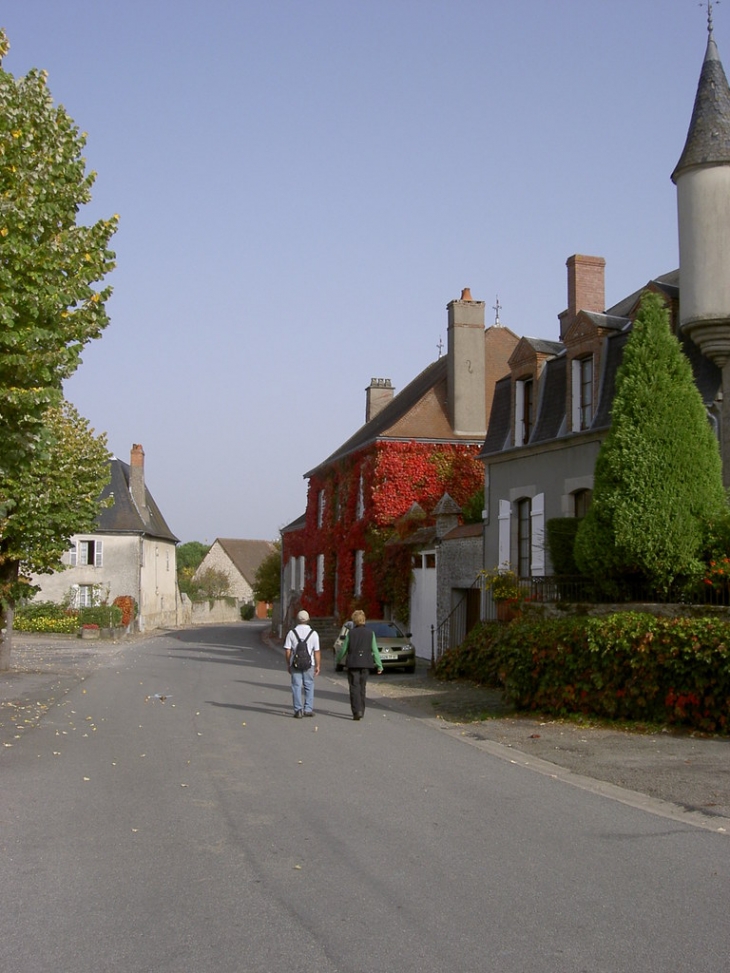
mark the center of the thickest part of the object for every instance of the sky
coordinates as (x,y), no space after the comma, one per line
(303,187)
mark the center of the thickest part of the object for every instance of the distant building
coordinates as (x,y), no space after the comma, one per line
(239,560)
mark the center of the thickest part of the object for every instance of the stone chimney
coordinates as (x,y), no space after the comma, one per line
(586,288)
(136,479)
(377,395)
(466,367)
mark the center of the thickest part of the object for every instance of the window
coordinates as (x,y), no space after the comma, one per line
(581,503)
(302,573)
(320,573)
(83,596)
(524,537)
(359,555)
(86,553)
(586,392)
(582,369)
(524,411)
(360,510)
(430,560)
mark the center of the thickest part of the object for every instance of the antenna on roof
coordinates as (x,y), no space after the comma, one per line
(709,4)
(497,308)
(440,346)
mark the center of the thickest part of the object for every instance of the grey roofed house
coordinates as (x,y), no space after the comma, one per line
(126,515)
(130,552)
(238,558)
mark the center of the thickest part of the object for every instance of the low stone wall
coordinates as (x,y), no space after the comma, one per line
(218,612)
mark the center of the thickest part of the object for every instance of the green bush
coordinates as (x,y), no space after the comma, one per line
(248,611)
(105,616)
(474,659)
(560,532)
(45,616)
(628,666)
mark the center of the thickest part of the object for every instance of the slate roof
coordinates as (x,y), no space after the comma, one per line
(551,418)
(124,517)
(246,555)
(551,413)
(708,138)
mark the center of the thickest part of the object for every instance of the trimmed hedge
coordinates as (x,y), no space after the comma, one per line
(46,616)
(105,616)
(629,666)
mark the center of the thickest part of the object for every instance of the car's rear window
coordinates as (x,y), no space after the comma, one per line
(385,630)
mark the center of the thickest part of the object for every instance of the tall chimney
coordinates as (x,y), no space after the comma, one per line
(377,395)
(136,479)
(466,367)
(586,288)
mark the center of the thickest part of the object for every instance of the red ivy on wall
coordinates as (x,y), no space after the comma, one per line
(395,475)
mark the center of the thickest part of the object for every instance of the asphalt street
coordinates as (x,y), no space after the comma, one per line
(165,812)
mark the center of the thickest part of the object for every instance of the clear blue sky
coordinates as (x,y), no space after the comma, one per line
(304,186)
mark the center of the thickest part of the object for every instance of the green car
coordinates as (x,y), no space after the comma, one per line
(395,646)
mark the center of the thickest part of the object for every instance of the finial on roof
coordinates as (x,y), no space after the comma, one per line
(497,308)
(466,294)
(440,346)
(710,5)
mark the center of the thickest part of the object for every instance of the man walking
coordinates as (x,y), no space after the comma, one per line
(302,661)
(360,652)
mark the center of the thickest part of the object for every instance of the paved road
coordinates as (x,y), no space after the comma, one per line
(168,814)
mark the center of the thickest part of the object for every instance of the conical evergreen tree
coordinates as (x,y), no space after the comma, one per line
(658,476)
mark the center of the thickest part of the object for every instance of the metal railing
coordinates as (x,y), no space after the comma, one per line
(452,631)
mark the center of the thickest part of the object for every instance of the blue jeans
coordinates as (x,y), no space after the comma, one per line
(299,681)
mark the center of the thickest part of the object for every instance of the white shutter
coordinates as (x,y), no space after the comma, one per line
(98,559)
(537,531)
(72,555)
(505,515)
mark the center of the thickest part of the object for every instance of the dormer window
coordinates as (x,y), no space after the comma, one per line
(524,411)
(582,393)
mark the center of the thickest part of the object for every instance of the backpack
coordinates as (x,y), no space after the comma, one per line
(302,660)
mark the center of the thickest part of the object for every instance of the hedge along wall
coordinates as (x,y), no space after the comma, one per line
(630,665)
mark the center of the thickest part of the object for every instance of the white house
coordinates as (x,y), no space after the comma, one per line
(131,552)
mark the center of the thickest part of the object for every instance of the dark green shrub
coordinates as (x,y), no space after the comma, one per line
(561,533)
(474,659)
(658,475)
(248,611)
(105,616)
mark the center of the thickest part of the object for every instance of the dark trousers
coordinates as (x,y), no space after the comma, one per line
(358,680)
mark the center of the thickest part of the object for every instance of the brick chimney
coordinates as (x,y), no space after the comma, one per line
(136,479)
(586,288)
(377,395)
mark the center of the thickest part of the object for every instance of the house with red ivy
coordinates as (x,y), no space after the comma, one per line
(388,477)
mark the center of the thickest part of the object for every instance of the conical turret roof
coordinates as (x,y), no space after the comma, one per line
(708,138)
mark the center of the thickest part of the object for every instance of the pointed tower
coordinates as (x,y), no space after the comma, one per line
(702,178)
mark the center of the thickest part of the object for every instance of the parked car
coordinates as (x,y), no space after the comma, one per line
(395,646)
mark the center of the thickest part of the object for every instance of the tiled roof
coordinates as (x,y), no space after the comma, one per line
(418,412)
(123,517)
(246,555)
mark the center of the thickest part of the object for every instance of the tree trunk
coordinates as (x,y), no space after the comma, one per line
(8,576)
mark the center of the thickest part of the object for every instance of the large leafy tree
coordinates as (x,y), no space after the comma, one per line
(47,502)
(267,581)
(658,476)
(50,306)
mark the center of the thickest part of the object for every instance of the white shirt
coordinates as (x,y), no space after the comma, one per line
(303,629)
